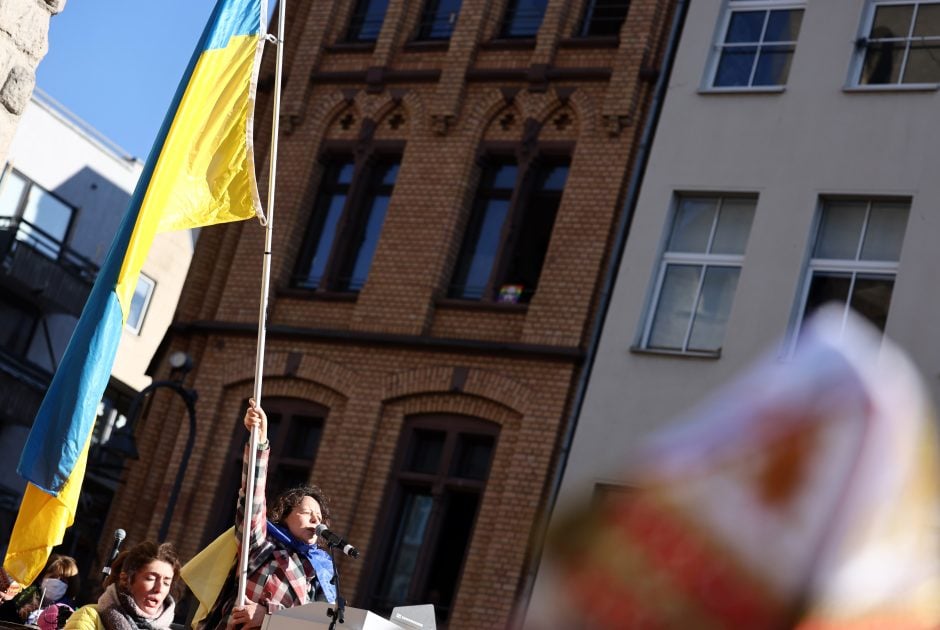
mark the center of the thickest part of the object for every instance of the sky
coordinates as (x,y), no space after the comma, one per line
(117,63)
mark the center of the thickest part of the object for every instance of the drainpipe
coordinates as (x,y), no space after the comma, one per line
(610,277)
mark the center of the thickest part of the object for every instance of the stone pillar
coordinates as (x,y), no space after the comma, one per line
(24,40)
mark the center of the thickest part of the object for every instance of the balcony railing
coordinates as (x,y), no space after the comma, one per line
(36,262)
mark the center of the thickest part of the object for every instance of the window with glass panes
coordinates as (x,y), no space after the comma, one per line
(365,24)
(509,230)
(900,44)
(523,18)
(855,256)
(438,19)
(140,301)
(604,17)
(756,43)
(698,274)
(346,223)
(442,467)
(41,219)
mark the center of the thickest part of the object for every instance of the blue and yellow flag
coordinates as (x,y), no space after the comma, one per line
(200,172)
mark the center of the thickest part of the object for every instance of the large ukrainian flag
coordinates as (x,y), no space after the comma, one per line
(200,172)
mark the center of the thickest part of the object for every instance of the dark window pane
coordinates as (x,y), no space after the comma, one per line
(535,231)
(438,19)
(745,27)
(303,438)
(409,528)
(605,17)
(274,425)
(554,177)
(882,63)
(344,173)
(783,26)
(734,66)
(366,21)
(871,297)
(523,17)
(827,287)
(472,460)
(503,177)
(923,63)
(927,23)
(426,450)
(369,240)
(324,221)
(480,250)
(773,65)
(368,228)
(891,21)
(460,513)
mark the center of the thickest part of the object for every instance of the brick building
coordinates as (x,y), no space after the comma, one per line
(449,182)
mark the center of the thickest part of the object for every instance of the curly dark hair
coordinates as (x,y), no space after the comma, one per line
(142,554)
(289,499)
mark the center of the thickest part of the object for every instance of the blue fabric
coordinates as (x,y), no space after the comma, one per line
(320,559)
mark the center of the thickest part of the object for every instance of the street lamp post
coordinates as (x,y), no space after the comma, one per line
(181,364)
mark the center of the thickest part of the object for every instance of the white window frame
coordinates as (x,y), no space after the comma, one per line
(138,326)
(737,6)
(854,267)
(858,58)
(704,260)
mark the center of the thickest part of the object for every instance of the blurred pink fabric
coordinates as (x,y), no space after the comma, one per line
(803,495)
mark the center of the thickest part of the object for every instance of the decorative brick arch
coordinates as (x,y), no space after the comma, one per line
(459,381)
(485,109)
(407,101)
(284,365)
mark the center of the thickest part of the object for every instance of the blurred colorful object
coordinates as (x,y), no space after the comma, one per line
(804,495)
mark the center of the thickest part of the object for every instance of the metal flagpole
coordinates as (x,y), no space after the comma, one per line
(263,307)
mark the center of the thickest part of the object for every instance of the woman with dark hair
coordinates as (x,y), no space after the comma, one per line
(140,597)
(286,567)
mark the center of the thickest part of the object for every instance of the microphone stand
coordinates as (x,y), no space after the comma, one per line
(339,613)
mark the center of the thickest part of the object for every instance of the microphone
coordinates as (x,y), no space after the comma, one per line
(335,541)
(119,535)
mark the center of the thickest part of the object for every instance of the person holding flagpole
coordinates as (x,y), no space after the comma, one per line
(286,566)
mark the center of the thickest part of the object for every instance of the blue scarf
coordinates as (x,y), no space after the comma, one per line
(320,559)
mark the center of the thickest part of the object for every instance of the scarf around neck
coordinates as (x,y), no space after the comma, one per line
(119,611)
(320,559)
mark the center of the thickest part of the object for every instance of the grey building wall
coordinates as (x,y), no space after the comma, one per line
(820,136)
(24,41)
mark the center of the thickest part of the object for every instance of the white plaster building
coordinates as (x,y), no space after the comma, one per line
(795,161)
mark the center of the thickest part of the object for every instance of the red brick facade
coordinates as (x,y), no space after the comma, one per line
(400,347)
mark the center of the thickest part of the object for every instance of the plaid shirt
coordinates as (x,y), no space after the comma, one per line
(277,577)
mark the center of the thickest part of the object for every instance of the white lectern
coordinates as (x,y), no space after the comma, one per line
(314,616)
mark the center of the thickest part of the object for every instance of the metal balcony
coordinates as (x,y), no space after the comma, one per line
(37,266)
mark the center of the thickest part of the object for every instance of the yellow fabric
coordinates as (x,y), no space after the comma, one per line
(85,618)
(41,524)
(205,172)
(206,573)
